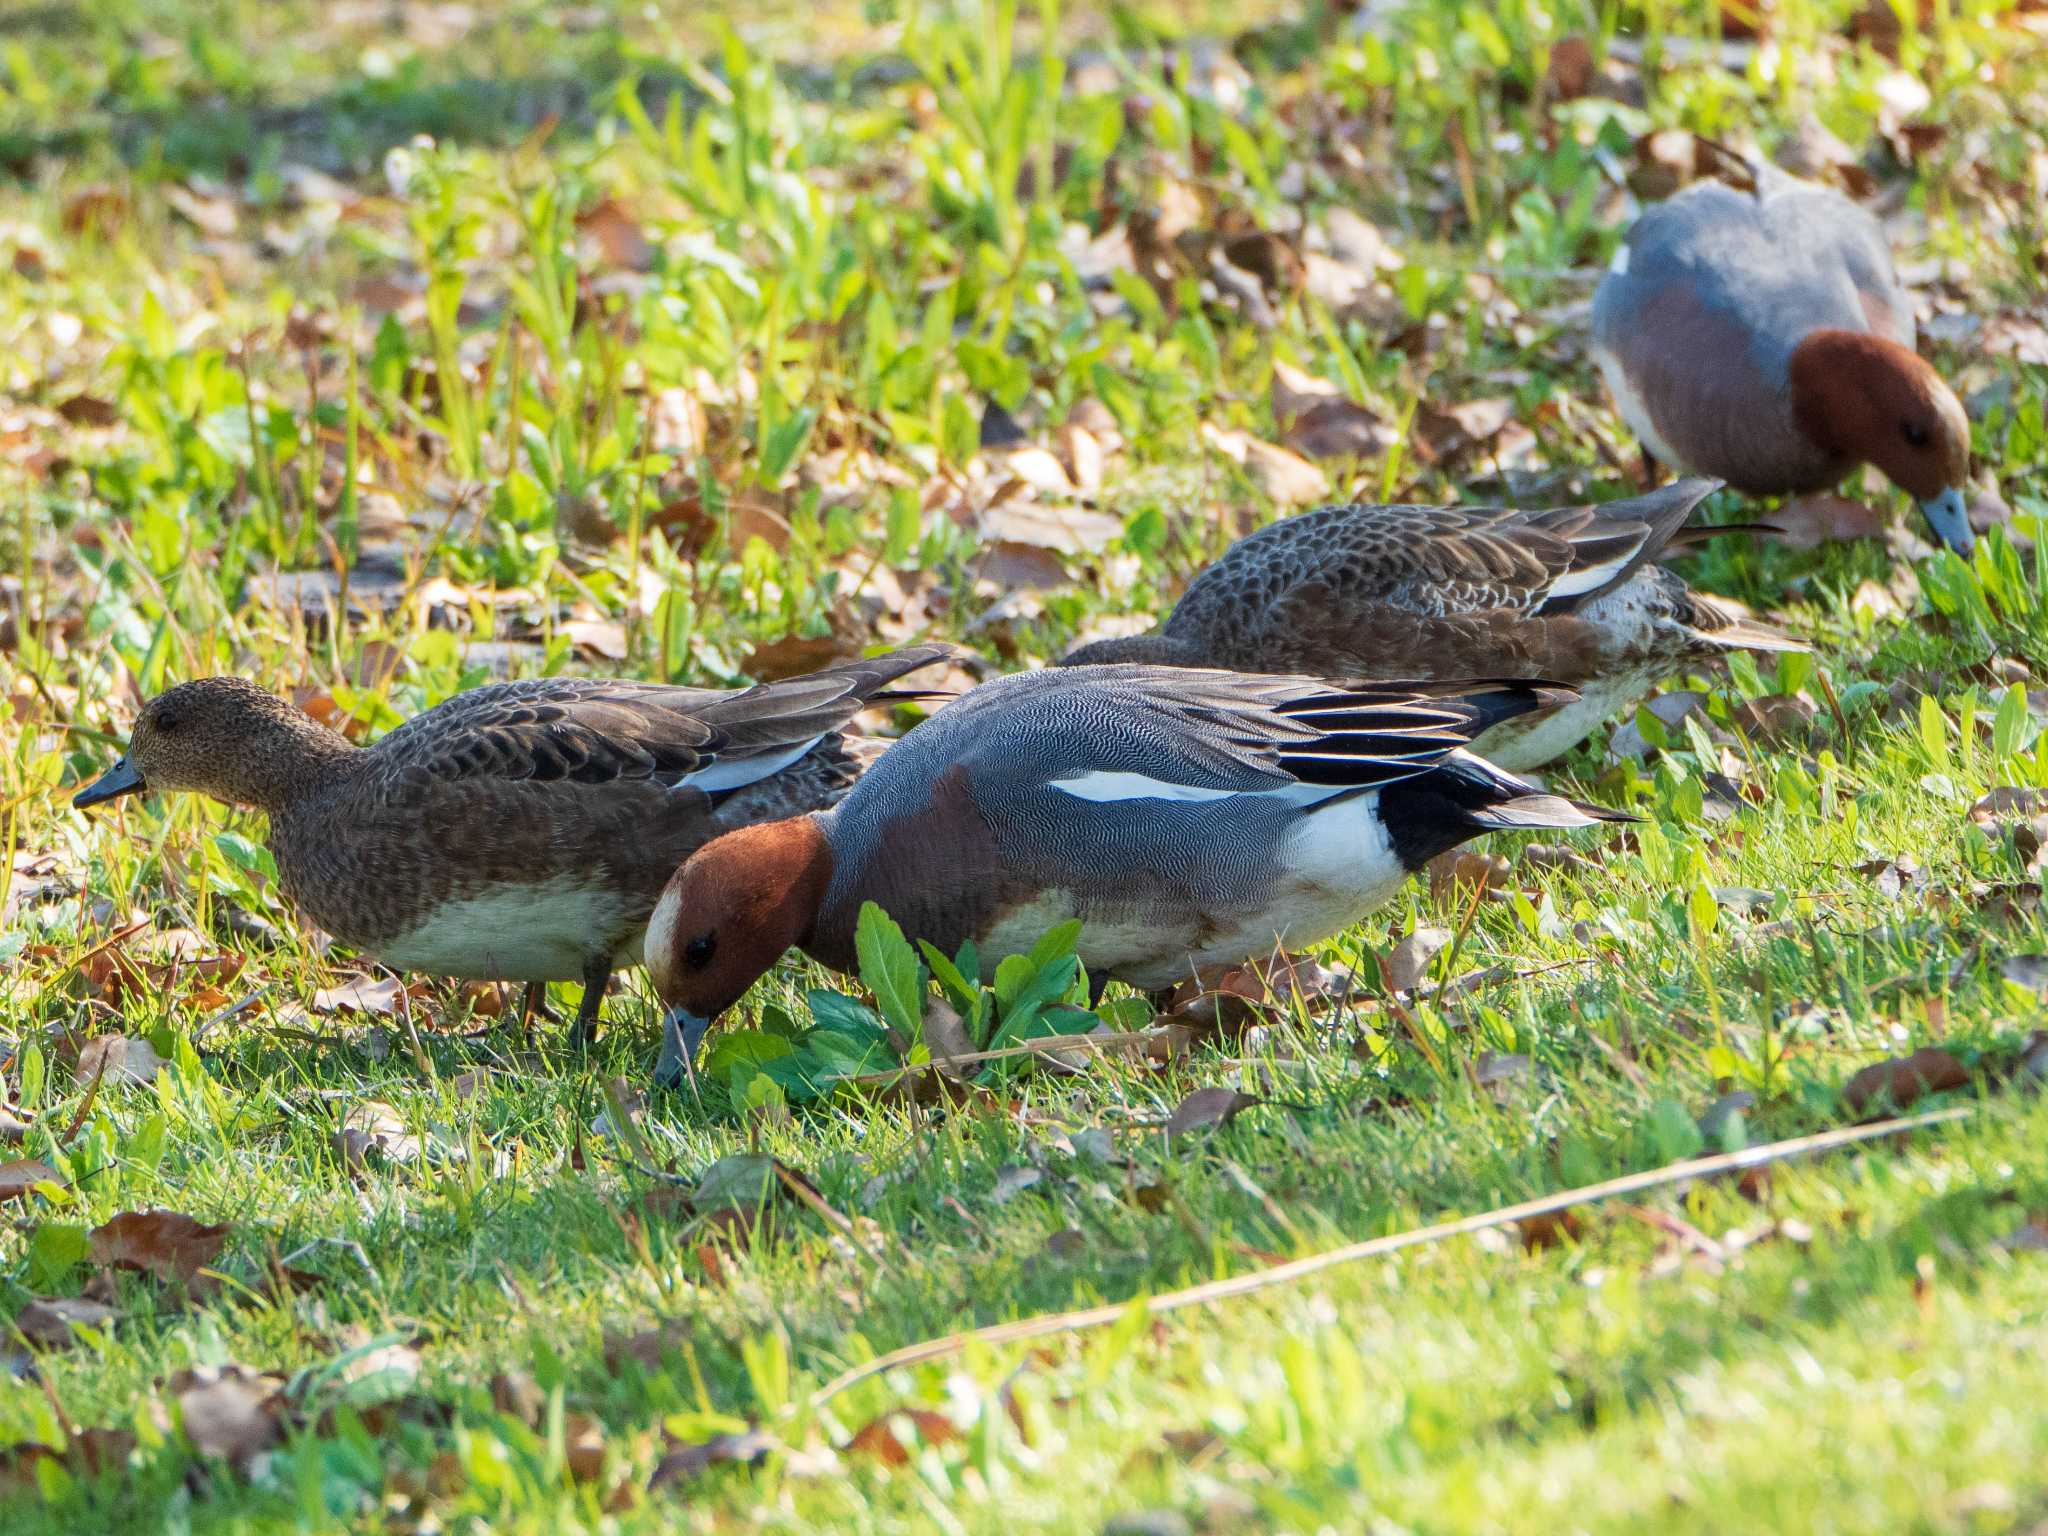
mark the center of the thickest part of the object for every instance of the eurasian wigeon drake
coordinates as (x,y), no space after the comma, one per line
(1763,338)
(1571,594)
(517,832)
(1187,817)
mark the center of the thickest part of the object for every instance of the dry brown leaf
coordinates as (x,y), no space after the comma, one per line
(1570,73)
(1896,1085)
(617,235)
(1339,429)
(385,997)
(583,1446)
(1409,961)
(882,1436)
(1807,522)
(1284,477)
(1549,1229)
(229,1411)
(208,212)
(1778,718)
(167,1244)
(1209,1106)
(1496,1069)
(596,637)
(118,1059)
(1068,530)
(2009,803)
(649,1348)
(48,1321)
(97,210)
(374,1126)
(1457,872)
(686,1461)
(19,1177)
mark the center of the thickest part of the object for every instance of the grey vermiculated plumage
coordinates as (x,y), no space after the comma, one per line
(973,791)
(1720,287)
(1386,592)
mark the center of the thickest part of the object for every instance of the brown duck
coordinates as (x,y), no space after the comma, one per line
(1415,593)
(521,831)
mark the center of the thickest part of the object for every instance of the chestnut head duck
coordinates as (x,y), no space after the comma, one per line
(517,832)
(1570,594)
(1764,338)
(1187,817)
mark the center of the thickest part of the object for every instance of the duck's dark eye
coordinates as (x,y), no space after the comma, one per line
(1914,433)
(167,721)
(698,952)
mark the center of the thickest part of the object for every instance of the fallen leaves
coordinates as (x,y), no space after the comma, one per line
(1408,962)
(689,1459)
(1208,1106)
(384,996)
(229,1411)
(162,1243)
(118,1059)
(1895,1085)
(17,1178)
(889,1437)
(376,1127)
(1807,522)
(53,1322)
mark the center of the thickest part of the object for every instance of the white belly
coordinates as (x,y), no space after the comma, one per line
(1634,411)
(539,932)
(1338,866)
(1524,744)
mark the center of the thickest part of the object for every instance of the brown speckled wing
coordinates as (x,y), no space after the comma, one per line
(598,731)
(566,784)
(1398,591)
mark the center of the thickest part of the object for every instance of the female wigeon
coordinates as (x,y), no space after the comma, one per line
(1187,817)
(1571,594)
(1763,338)
(517,832)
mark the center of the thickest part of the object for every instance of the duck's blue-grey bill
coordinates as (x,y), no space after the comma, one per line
(681,1033)
(1949,517)
(117,781)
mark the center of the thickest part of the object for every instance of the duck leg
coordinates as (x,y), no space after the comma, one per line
(596,974)
(1650,474)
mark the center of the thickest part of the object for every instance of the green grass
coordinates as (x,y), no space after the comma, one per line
(677,340)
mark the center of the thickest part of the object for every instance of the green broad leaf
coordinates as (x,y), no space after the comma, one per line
(1933,731)
(1060,940)
(54,1250)
(1673,1132)
(836,1013)
(889,969)
(950,976)
(2009,725)
(1041,989)
(762,1092)
(249,857)
(1703,913)
(783,442)
(745,1049)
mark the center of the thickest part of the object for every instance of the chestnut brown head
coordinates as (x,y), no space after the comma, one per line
(1873,401)
(728,915)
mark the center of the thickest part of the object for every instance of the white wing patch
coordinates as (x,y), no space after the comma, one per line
(1591,578)
(738,773)
(1103,785)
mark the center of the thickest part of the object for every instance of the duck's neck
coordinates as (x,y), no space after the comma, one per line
(289,761)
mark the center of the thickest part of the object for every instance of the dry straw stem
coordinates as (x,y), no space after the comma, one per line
(1415,1237)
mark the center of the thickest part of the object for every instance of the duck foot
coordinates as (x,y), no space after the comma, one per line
(583,1032)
